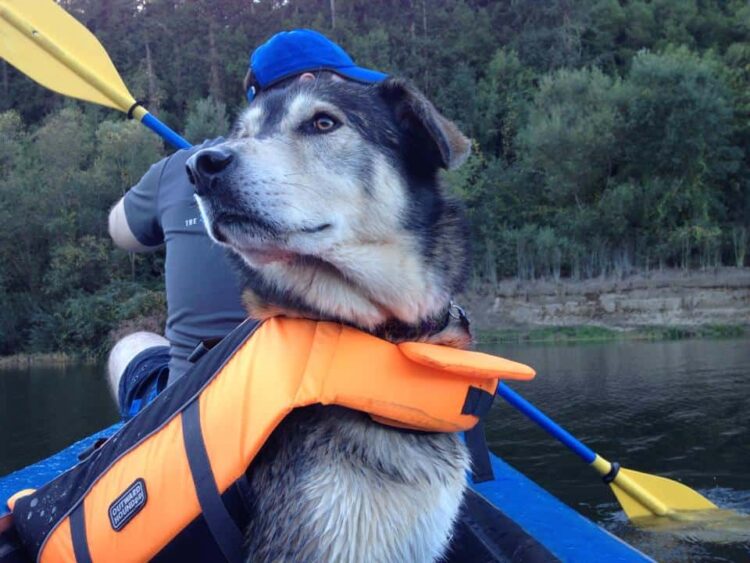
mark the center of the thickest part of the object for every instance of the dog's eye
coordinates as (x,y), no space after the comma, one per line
(324,123)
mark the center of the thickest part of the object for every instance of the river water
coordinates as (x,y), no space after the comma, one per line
(679,409)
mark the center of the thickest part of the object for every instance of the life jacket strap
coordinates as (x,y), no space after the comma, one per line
(478,403)
(78,535)
(476,442)
(223,528)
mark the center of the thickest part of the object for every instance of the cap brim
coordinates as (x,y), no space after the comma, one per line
(356,73)
(361,74)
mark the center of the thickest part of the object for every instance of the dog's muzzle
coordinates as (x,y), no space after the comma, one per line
(207,166)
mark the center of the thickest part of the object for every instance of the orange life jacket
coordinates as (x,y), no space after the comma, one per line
(174,463)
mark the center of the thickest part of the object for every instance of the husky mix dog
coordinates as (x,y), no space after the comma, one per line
(327,193)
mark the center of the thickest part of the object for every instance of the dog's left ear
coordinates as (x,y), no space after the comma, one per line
(429,129)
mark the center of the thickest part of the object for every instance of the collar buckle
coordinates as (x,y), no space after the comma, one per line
(457,312)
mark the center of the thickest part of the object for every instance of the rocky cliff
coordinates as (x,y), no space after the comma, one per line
(662,298)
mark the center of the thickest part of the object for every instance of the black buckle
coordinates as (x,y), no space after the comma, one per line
(202,349)
(478,402)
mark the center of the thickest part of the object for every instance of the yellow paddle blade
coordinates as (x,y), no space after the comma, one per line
(44,42)
(714,525)
(642,495)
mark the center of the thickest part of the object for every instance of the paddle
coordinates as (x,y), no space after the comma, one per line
(48,45)
(641,495)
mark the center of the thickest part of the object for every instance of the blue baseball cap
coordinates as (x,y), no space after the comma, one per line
(289,53)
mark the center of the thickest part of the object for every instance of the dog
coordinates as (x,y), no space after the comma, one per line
(327,193)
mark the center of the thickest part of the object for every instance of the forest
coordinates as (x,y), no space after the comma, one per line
(610,137)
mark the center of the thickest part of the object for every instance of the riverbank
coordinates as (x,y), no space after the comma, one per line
(531,334)
(661,304)
(582,334)
(56,359)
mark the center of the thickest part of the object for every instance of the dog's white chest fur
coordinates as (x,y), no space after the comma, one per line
(361,518)
(337,487)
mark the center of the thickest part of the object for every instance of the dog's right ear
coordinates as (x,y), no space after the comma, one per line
(426,128)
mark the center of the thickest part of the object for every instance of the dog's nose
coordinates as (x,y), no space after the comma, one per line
(207,164)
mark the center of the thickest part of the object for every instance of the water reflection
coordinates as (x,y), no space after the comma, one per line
(676,409)
(42,410)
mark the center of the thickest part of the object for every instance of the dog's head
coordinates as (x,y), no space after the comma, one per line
(328,192)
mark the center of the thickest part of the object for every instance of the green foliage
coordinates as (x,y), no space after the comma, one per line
(82,266)
(207,120)
(81,324)
(570,135)
(61,276)
(13,321)
(609,136)
(679,117)
(554,334)
(125,150)
(502,99)
(11,135)
(564,334)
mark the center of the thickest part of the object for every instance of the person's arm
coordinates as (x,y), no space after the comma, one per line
(120,231)
(135,221)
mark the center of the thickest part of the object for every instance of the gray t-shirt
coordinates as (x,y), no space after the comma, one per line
(203,296)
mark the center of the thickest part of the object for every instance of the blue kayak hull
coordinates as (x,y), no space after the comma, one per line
(526,513)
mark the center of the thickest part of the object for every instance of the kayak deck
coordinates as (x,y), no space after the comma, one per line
(508,518)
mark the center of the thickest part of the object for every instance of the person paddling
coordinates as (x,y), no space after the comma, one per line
(203,297)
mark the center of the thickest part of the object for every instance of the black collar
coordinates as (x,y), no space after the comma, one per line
(398,331)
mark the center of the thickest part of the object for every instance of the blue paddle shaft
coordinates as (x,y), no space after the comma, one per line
(165,132)
(546,423)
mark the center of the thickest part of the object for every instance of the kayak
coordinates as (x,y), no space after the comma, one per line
(505,518)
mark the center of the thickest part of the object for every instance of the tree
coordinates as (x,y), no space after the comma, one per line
(571,134)
(207,119)
(503,97)
(679,117)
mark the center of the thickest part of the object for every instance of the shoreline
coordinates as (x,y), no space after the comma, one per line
(658,305)
(47,359)
(535,334)
(581,334)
